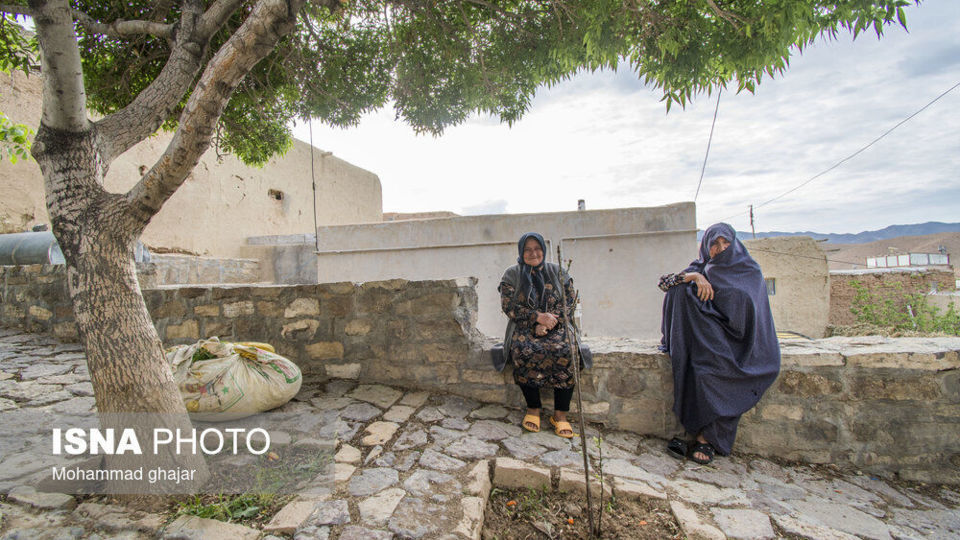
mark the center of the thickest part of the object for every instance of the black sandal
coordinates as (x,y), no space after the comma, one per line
(677,448)
(706,449)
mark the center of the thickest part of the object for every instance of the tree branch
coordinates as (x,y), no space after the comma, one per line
(215,16)
(254,40)
(160,10)
(64,97)
(728,16)
(16,10)
(123,28)
(144,115)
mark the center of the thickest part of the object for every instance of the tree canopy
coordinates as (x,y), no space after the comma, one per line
(440,61)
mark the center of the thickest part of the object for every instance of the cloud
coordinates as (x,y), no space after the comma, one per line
(498,206)
(606,138)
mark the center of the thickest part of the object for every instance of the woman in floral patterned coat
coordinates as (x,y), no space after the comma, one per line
(536,339)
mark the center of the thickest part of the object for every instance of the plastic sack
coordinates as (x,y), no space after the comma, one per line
(222,381)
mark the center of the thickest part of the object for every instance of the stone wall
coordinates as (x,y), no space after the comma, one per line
(164,269)
(883,405)
(886,282)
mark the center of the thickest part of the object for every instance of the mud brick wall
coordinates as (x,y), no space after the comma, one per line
(886,405)
(887,283)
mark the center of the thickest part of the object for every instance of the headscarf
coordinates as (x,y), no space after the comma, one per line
(533,284)
(733,267)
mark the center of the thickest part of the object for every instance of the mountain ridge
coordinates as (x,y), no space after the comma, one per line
(893,231)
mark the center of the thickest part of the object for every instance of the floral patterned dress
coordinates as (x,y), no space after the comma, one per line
(540,361)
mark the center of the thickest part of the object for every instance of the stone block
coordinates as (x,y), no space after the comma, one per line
(347,454)
(905,387)
(511,473)
(267,308)
(471,521)
(302,307)
(780,412)
(802,384)
(174,309)
(378,509)
(325,350)
(290,517)
(188,330)
(40,313)
(692,525)
(237,309)
(216,327)
(398,413)
(300,330)
(192,292)
(358,327)
(574,482)
(626,383)
(478,480)
(196,527)
(820,358)
(379,433)
(743,524)
(66,331)
(207,310)
(444,374)
(645,416)
(636,489)
(342,472)
(343,371)
(42,501)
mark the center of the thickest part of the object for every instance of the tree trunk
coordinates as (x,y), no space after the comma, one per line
(128,370)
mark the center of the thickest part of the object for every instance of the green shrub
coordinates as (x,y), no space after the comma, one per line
(891,307)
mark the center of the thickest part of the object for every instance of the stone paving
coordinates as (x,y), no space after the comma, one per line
(412,464)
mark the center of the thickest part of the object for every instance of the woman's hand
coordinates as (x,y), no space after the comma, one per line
(704,289)
(540,330)
(548,320)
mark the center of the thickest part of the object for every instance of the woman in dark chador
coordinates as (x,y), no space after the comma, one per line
(536,339)
(719,333)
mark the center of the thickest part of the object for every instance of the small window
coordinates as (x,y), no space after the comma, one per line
(275,194)
(771,286)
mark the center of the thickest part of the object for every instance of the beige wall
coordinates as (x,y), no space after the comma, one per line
(802,300)
(219,205)
(617,257)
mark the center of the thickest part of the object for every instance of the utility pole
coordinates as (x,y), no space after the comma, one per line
(752,229)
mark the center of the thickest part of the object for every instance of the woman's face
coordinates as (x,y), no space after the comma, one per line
(532,252)
(718,246)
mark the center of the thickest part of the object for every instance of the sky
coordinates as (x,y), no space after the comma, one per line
(606,138)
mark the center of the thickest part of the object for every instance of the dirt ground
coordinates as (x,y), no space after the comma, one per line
(530,514)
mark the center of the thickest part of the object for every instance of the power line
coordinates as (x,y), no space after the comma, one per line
(709,140)
(807,256)
(851,156)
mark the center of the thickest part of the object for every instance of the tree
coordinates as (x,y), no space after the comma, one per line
(14,138)
(235,73)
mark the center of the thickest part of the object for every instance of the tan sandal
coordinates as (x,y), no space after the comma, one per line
(560,426)
(531,419)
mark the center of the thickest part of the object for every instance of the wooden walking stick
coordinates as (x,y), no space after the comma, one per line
(575,357)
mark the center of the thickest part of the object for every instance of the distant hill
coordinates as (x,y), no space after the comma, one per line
(893,231)
(854,256)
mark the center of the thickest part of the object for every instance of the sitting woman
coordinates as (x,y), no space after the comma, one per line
(719,333)
(536,339)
